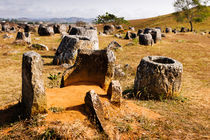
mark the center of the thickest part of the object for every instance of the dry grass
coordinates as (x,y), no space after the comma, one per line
(186,117)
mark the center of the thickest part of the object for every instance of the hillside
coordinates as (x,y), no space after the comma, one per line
(168,21)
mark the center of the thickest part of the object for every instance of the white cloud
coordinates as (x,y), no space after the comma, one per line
(130,9)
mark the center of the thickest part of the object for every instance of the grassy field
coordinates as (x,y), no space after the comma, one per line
(186,117)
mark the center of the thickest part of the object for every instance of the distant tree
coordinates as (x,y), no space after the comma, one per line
(191,11)
(110,18)
(80,23)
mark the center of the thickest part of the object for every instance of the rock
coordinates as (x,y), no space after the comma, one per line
(168,30)
(114,46)
(40,47)
(158,77)
(115,92)
(130,44)
(119,72)
(91,66)
(23,38)
(147,30)
(67,50)
(202,33)
(174,31)
(163,35)
(158,28)
(209,33)
(117,36)
(6,36)
(146,39)
(69,29)
(65,65)
(109,29)
(45,30)
(29,28)
(156,35)
(94,109)
(89,32)
(140,31)
(130,35)
(34,99)
(132,28)
(0,27)
(6,27)
(59,28)
(119,27)
(183,29)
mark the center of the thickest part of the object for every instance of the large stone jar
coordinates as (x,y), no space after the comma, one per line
(158,77)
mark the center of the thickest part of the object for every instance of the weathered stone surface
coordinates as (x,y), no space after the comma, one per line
(157,77)
(132,28)
(5,36)
(69,29)
(23,38)
(147,30)
(67,50)
(146,39)
(45,30)
(130,35)
(114,46)
(174,31)
(91,67)
(40,47)
(59,28)
(140,31)
(29,28)
(156,35)
(118,36)
(109,29)
(94,109)
(168,30)
(88,32)
(183,29)
(115,92)
(0,27)
(33,93)
(6,27)
(119,27)
(118,72)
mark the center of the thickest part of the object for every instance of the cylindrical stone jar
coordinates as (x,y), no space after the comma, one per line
(158,77)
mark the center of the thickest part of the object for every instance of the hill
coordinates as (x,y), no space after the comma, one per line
(168,21)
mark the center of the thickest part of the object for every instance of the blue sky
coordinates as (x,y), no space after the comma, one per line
(130,9)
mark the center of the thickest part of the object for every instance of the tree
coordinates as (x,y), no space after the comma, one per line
(110,18)
(191,11)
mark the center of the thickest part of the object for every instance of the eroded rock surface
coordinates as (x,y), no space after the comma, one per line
(33,93)
(94,109)
(157,77)
(91,67)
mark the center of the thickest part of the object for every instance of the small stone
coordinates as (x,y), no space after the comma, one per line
(40,47)
(115,92)
(114,46)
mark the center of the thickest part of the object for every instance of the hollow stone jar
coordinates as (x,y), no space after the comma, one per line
(157,77)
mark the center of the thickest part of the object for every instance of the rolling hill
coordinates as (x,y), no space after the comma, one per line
(168,21)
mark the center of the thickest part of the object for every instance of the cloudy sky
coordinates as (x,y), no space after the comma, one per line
(130,9)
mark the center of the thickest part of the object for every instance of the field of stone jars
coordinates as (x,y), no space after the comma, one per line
(103,82)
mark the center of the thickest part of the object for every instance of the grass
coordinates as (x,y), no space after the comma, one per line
(186,117)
